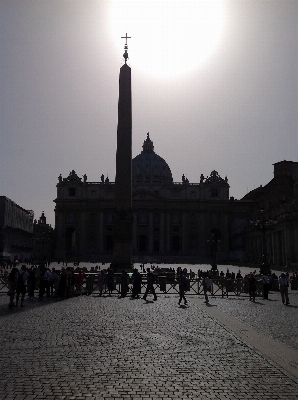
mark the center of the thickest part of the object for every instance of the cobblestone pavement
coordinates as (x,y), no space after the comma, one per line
(270,317)
(109,348)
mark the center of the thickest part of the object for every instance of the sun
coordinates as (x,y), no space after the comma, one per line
(168,38)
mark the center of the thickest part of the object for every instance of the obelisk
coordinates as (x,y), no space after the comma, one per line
(122,218)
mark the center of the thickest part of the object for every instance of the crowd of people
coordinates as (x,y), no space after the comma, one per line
(65,283)
(51,283)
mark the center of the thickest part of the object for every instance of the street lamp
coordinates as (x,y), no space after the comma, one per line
(214,240)
(263,225)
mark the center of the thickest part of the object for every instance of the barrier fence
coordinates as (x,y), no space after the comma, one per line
(166,284)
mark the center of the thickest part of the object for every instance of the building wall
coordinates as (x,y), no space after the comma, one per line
(15,230)
(171,221)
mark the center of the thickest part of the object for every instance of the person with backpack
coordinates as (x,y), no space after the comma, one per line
(21,285)
(183,286)
(150,283)
(207,284)
(252,287)
(12,282)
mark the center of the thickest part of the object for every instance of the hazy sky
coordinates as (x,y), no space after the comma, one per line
(235,112)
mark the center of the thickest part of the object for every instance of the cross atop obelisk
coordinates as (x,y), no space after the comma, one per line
(125,55)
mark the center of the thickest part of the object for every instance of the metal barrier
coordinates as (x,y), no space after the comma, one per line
(221,287)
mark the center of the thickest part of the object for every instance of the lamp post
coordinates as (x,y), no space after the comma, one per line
(214,240)
(263,224)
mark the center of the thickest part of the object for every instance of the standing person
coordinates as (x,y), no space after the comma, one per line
(207,283)
(31,281)
(136,284)
(284,288)
(52,283)
(101,281)
(150,283)
(12,285)
(266,284)
(56,280)
(62,283)
(21,285)
(47,278)
(182,282)
(79,282)
(42,282)
(124,284)
(110,281)
(252,285)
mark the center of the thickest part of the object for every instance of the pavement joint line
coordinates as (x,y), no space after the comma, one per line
(279,353)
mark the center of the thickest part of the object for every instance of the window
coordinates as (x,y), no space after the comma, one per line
(142,218)
(70,218)
(72,192)
(142,243)
(175,219)
(156,246)
(176,243)
(109,217)
(214,192)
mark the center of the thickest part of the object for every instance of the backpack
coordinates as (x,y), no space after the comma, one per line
(186,283)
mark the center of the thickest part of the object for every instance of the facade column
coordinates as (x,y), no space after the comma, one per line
(184,233)
(134,233)
(81,234)
(162,234)
(101,238)
(283,255)
(168,232)
(150,233)
(288,254)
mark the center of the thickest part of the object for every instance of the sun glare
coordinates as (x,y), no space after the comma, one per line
(168,38)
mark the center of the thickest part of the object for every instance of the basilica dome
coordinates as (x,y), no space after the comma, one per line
(149,168)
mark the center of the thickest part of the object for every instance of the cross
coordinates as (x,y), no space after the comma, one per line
(126,37)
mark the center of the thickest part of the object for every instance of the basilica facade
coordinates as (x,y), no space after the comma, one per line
(172,221)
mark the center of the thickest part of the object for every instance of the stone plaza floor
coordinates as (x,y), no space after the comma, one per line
(92,347)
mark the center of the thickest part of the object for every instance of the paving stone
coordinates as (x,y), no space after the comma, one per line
(103,348)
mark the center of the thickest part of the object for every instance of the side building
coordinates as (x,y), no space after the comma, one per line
(16,231)
(274,219)
(172,221)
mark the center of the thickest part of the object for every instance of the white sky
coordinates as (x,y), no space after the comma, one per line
(59,70)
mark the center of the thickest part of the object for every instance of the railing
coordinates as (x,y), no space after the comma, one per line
(221,287)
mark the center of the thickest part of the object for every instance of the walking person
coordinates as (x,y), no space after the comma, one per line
(124,284)
(182,282)
(12,285)
(150,283)
(110,281)
(252,286)
(101,281)
(21,285)
(136,284)
(284,288)
(207,283)
(79,282)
